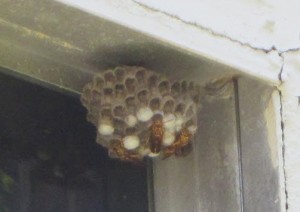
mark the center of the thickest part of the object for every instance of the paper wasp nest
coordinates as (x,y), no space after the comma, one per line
(140,113)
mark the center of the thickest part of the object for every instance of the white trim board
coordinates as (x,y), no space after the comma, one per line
(259,64)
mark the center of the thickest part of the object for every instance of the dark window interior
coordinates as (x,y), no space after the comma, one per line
(49,160)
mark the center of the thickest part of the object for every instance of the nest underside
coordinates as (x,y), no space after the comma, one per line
(141,113)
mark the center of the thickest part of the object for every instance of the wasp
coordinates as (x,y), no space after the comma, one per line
(122,153)
(182,140)
(156,136)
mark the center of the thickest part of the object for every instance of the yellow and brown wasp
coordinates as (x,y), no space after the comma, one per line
(182,140)
(125,155)
(156,136)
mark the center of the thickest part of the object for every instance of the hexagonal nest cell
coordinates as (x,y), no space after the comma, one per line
(140,113)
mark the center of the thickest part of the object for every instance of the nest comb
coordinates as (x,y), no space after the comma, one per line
(139,113)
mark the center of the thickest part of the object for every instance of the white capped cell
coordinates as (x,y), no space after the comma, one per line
(168,138)
(144,114)
(179,122)
(131,120)
(131,142)
(106,129)
(169,121)
(144,151)
(153,155)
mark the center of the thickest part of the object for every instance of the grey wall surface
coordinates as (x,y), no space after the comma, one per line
(260,147)
(208,178)
(234,165)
